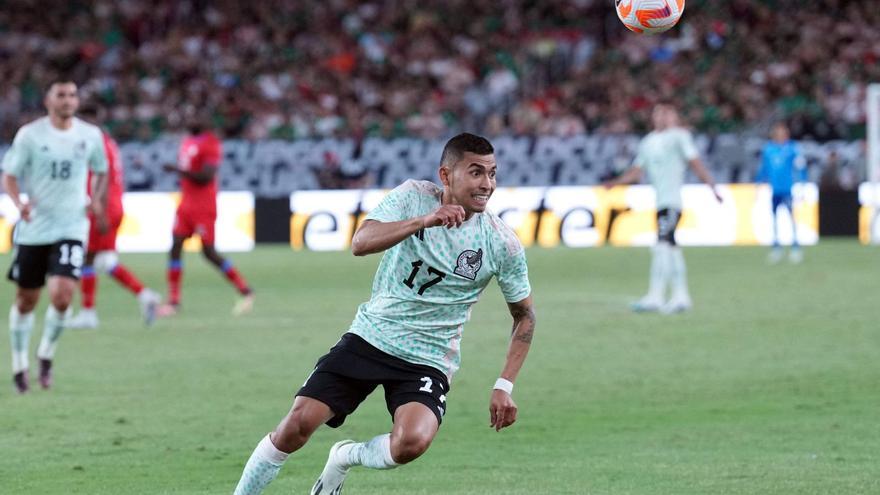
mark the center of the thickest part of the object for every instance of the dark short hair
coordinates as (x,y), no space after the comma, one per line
(58,80)
(465,143)
(667,102)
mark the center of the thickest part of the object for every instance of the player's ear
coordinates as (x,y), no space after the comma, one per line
(444,175)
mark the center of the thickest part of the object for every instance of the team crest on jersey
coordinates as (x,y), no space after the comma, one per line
(469,263)
(80,149)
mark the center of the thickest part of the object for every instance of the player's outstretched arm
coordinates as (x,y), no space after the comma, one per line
(502,409)
(704,175)
(631,176)
(10,185)
(99,200)
(203,176)
(374,236)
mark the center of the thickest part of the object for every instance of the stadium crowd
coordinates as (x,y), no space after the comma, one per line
(426,68)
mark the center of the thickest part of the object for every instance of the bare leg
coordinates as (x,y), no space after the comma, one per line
(61,290)
(414,429)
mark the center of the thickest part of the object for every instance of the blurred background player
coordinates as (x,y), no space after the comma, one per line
(101,255)
(781,166)
(665,155)
(198,161)
(50,160)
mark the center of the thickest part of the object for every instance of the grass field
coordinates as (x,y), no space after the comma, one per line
(770,386)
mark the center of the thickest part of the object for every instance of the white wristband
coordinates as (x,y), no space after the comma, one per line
(504,384)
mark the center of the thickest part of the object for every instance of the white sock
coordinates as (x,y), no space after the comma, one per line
(374,453)
(660,267)
(20,327)
(53,326)
(261,468)
(679,275)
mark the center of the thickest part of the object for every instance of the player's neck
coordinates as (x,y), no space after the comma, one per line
(61,123)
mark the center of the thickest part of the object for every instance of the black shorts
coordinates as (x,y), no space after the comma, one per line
(32,263)
(667,221)
(353,368)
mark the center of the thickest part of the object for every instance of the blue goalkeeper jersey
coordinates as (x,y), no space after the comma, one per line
(781,166)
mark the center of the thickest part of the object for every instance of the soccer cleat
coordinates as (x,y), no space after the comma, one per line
(20,380)
(775,256)
(244,305)
(646,304)
(85,319)
(166,310)
(45,373)
(333,476)
(149,302)
(795,256)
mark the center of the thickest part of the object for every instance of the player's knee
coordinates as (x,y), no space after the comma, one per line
(25,303)
(61,300)
(211,255)
(409,447)
(176,248)
(292,433)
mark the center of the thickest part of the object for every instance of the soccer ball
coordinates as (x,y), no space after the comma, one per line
(649,16)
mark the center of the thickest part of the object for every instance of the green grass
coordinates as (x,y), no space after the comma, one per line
(769,386)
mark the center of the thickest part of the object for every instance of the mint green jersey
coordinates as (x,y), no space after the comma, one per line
(52,167)
(426,284)
(664,155)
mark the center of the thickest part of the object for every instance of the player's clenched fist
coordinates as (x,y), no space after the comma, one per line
(502,410)
(446,216)
(25,212)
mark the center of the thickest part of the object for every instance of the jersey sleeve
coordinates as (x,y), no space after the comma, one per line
(18,156)
(513,277)
(513,272)
(211,150)
(800,164)
(687,146)
(98,157)
(396,206)
(639,160)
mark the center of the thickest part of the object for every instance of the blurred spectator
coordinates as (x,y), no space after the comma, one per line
(830,178)
(334,175)
(296,69)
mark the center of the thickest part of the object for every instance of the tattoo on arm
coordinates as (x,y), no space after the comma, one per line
(523,323)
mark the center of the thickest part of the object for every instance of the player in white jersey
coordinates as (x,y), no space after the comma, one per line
(49,161)
(441,250)
(665,155)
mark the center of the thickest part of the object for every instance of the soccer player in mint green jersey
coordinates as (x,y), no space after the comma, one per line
(442,248)
(665,155)
(49,161)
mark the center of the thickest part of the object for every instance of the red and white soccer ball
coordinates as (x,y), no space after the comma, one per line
(649,16)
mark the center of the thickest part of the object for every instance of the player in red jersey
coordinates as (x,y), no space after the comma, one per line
(197,163)
(101,253)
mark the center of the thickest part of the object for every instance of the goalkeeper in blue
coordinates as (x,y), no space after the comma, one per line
(781,166)
(441,249)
